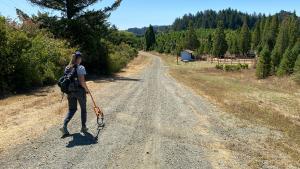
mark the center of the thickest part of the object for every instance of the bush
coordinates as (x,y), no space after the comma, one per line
(232,68)
(219,66)
(48,57)
(244,66)
(228,68)
(29,59)
(120,56)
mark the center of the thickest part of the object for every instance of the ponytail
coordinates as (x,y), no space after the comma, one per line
(72,61)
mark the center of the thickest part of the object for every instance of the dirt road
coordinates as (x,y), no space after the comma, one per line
(152,122)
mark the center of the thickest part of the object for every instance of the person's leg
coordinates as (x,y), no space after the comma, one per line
(82,102)
(72,102)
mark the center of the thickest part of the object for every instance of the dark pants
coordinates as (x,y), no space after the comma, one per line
(73,97)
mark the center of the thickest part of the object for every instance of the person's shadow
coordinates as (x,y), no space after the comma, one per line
(83,139)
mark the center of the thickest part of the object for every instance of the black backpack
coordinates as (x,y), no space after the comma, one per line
(69,81)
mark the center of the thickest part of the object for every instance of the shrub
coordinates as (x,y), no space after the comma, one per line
(48,57)
(228,68)
(232,68)
(120,56)
(244,66)
(30,59)
(219,66)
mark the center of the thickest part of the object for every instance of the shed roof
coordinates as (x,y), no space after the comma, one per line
(189,51)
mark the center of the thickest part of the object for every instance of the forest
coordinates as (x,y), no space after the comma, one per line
(35,49)
(273,39)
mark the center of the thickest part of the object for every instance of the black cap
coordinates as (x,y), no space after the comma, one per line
(78,54)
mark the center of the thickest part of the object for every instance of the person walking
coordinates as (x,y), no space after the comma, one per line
(78,91)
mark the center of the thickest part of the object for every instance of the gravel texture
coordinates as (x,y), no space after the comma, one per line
(151,122)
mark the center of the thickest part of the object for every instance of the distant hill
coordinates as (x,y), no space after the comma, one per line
(142,31)
(232,19)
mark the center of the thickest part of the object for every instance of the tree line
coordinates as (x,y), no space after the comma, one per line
(274,39)
(232,19)
(35,51)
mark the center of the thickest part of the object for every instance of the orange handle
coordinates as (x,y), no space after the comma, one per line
(96,108)
(98,111)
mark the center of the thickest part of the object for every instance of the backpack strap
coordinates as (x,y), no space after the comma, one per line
(75,70)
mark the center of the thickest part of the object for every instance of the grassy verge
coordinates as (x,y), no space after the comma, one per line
(273,102)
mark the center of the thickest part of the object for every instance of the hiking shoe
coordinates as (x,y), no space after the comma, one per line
(64,131)
(84,129)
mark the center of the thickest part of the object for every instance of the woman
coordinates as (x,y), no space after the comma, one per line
(78,94)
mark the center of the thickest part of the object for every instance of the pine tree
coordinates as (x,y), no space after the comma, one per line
(273,30)
(293,30)
(84,28)
(264,40)
(297,70)
(288,61)
(72,8)
(191,42)
(256,36)
(263,66)
(270,31)
(219,42)
(282,43)
(150,39)
(208,45)
(245,39)
(233,42)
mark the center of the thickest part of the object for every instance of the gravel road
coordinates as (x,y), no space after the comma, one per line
(151,122)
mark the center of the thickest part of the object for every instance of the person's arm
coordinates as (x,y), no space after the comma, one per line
(83,83)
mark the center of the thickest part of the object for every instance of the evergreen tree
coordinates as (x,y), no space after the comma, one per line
(288,61)
(297,70)
(233,42)
(219,47)
(264,40)
(273,30)
(84,28)
(297,65)
(282,42)
(270,32)
(200,50)
(232,19)
(72,8)
(293,30)
(191,42)
(150,39)
(256,36)
(245,39)
(263,66)
(208,45)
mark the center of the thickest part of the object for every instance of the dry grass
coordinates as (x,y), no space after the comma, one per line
(274,102)
(26,117)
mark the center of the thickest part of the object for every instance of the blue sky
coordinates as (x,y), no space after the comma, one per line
(139,13)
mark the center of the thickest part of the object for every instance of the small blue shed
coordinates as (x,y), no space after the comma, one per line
(187,55)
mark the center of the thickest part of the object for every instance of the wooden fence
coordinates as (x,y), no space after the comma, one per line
(232,61)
